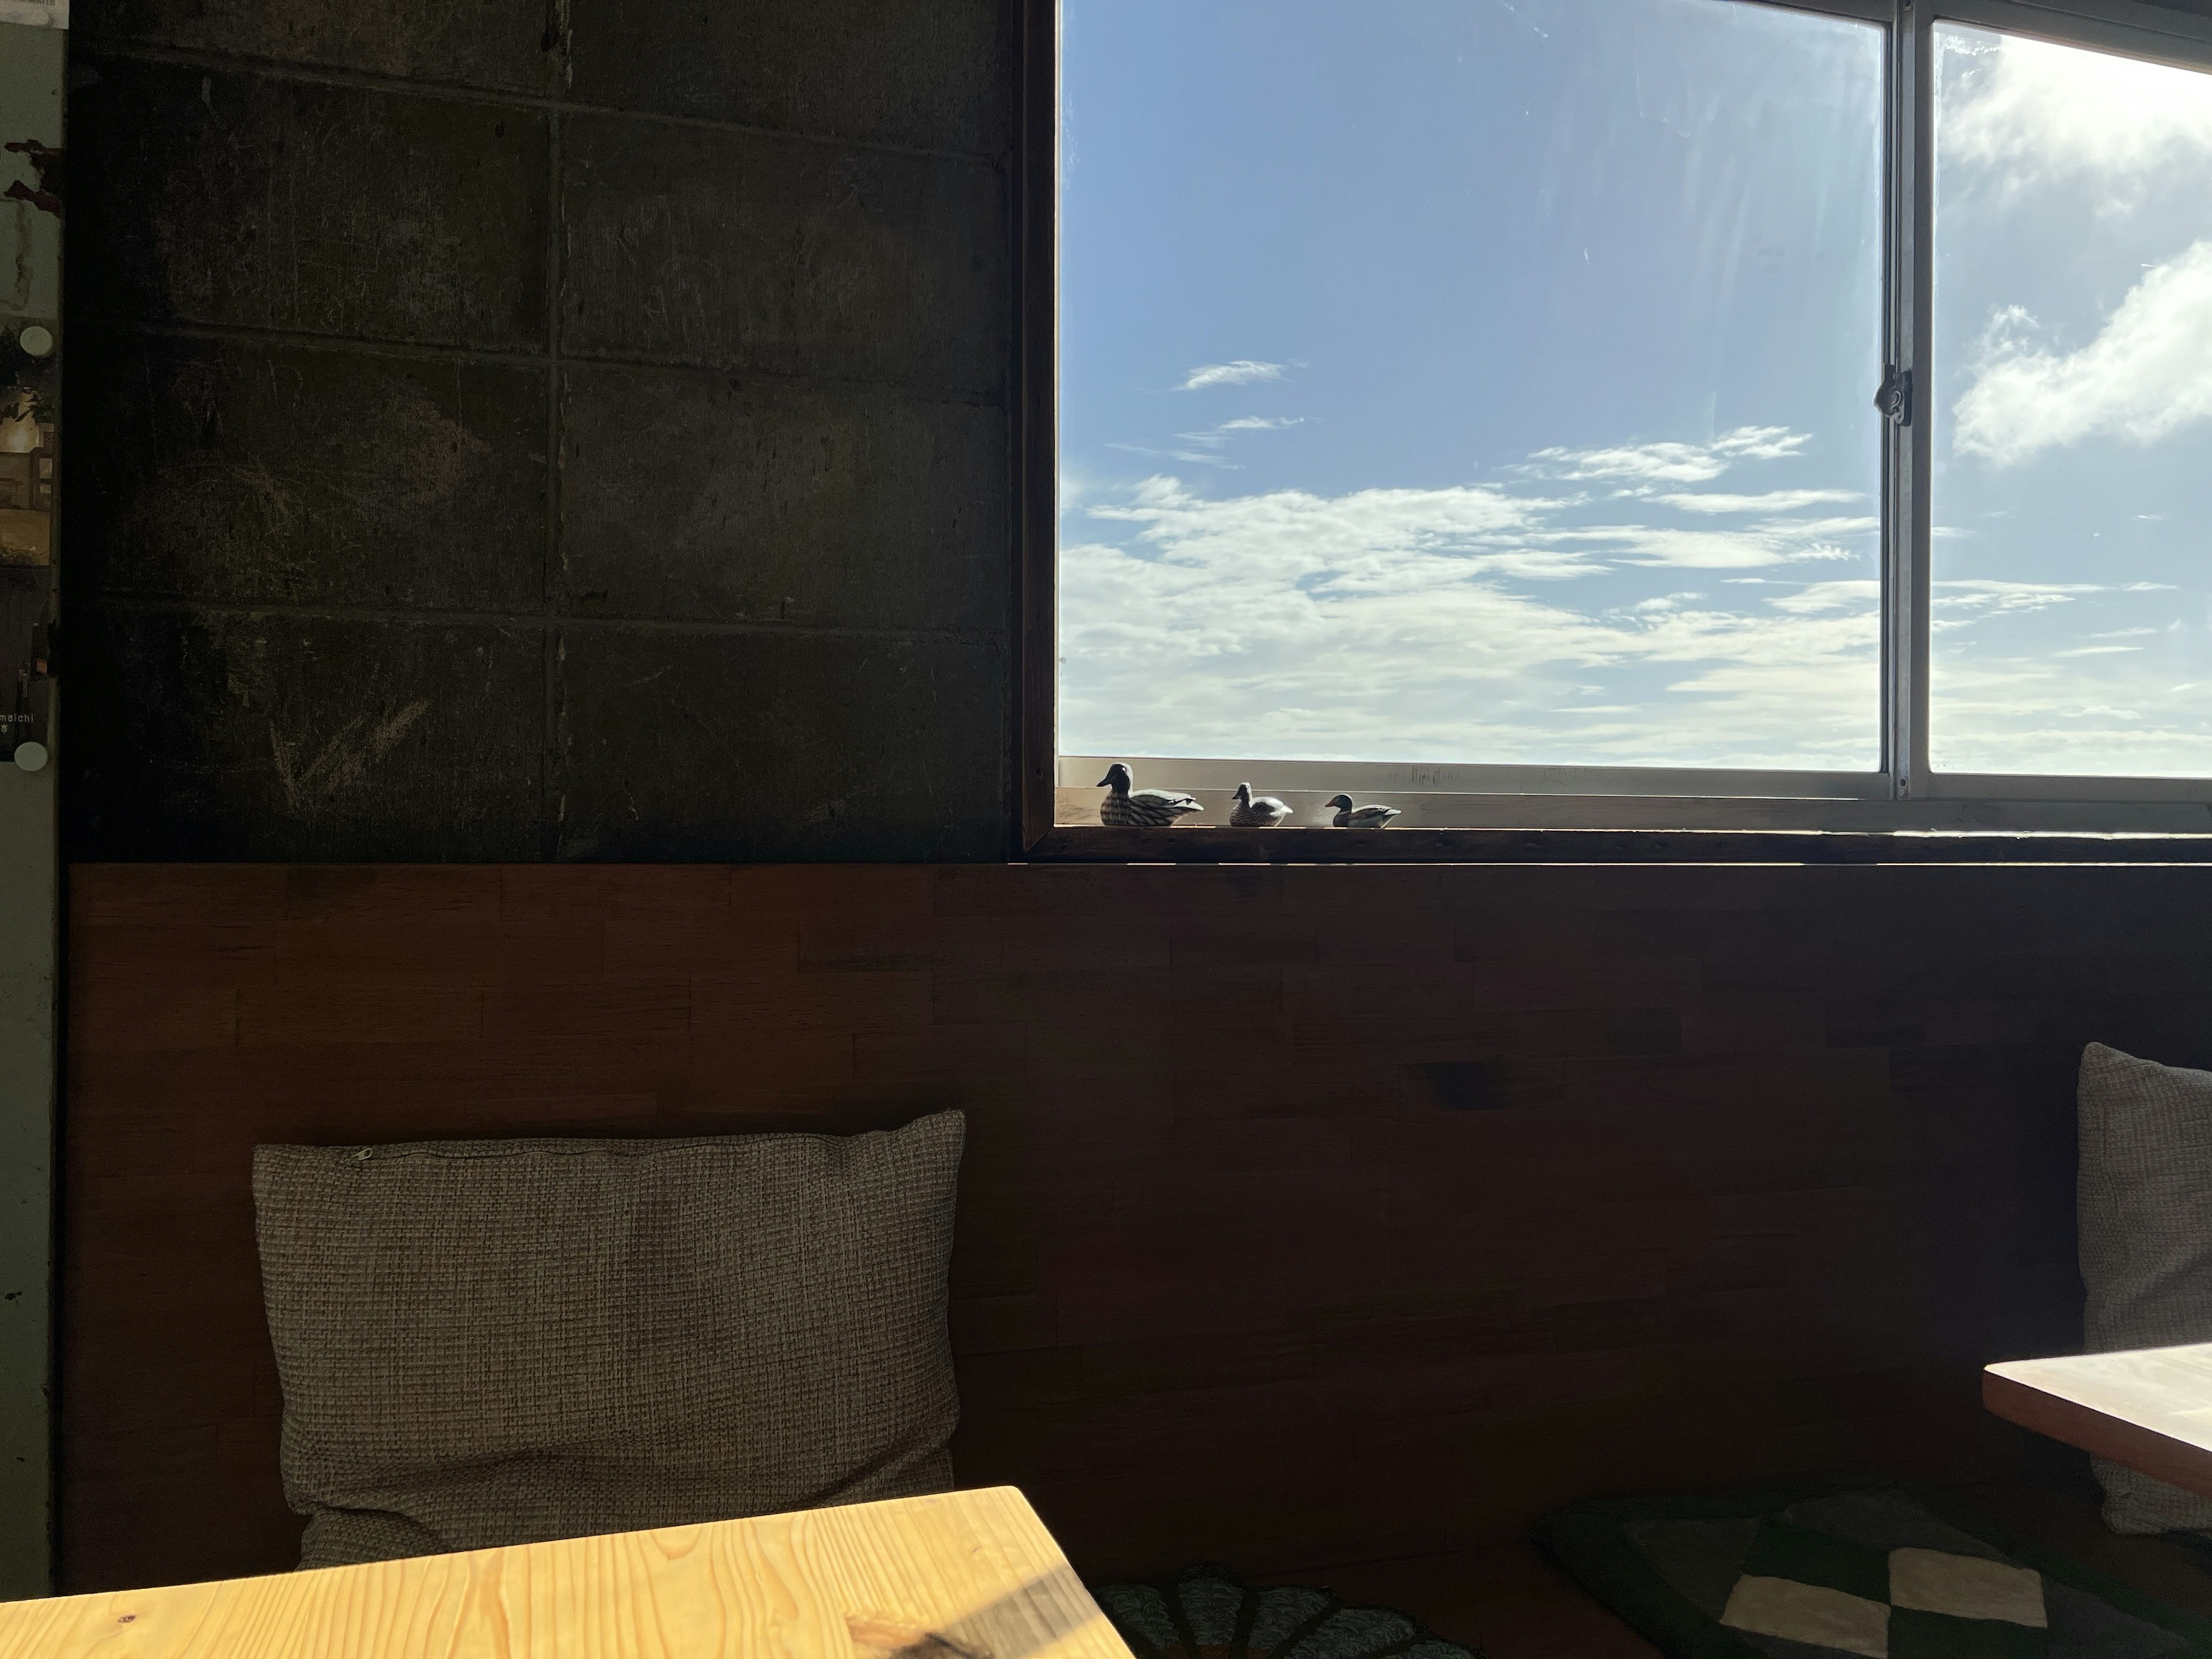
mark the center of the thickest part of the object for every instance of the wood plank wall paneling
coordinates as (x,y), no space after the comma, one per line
(1310,1214)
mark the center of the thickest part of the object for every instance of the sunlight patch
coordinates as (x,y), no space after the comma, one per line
(2029,108)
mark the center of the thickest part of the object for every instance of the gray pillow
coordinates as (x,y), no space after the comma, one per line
(495,1342)
(2145,1205)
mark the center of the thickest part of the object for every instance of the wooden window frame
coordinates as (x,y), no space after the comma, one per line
(1905,812)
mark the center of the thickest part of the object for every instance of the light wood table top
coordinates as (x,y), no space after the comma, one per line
(969,1575)
(2149,1408)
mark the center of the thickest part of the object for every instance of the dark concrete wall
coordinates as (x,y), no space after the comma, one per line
(530,429)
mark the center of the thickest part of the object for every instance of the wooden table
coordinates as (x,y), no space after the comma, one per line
(962,1576)
(2149,1408)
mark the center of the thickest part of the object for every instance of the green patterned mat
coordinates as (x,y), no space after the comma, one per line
(1815,1570)
(1208,1612)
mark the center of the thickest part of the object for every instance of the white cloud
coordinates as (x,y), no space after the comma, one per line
(1289,531)
(1832,596)
(2148,373)
(1215,437)
(1388,622)
(1199,458)
(1819,528)
(1667,462)
(1774,501)
(1986,594)
(1242,372)
(2098,711)
(2027,108)
(1777,541)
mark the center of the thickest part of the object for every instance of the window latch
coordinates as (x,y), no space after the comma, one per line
(1894,397)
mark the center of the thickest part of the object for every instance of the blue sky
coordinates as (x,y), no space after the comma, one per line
(2073,498)
(1460,379)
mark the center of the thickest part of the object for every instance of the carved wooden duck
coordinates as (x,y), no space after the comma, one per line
(1253,811)
(1126,808)
(1349,817)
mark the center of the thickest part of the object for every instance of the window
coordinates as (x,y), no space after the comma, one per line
(1637,412)
(2072,536)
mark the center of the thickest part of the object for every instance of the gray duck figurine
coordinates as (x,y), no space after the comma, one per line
(1125,808)
(1253,811)
(1349,817)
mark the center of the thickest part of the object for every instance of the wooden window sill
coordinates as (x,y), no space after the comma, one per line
(1207,844)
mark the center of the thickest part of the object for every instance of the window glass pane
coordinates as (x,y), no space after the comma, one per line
(2073,436)
(1471,380)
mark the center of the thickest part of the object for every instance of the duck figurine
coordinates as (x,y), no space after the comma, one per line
(1125,808)
(1349,817)
(1253,811)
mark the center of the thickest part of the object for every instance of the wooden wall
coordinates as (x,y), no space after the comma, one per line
(1310,1215)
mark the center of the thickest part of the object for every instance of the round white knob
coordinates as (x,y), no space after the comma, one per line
(37,340)
(31,757)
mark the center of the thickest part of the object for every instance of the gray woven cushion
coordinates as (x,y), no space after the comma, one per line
(493,1342)
(2145,1202)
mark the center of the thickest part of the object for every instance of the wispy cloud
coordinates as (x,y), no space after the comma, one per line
(1667,462)
(1852,595)
(1242,372)
(1196,458)
(1215,437)
(1774,501)
(1291,532)
(1987,594)
(2148,373)
(1777,541)
(2011,703)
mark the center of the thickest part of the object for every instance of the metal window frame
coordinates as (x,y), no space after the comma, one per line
(2127,27)
(1906,794)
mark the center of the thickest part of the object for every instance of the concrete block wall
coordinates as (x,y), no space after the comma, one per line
(539,429)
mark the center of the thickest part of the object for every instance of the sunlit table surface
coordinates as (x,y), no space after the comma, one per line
(2149,1408)
(961,1576)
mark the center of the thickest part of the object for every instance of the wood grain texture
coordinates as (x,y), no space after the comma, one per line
(1299,844)
(2149,1408)
(970,1572)
(1309,1215)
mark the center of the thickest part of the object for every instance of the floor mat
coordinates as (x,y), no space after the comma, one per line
(1812,1569)
(1208,1612)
